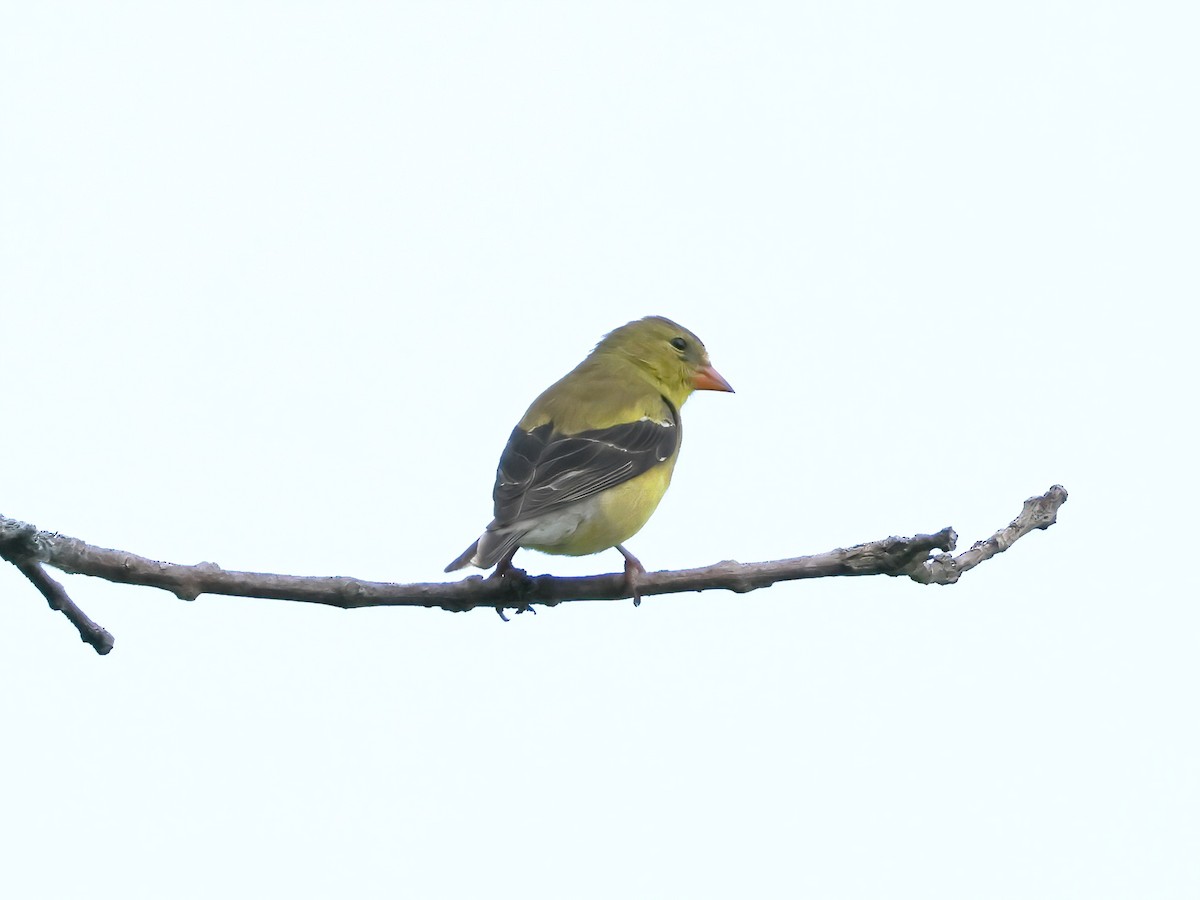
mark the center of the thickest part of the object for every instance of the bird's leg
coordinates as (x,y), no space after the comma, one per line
(505,566)
(633,568)
(505,569)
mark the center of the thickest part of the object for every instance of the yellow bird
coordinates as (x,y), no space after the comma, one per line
(592,457)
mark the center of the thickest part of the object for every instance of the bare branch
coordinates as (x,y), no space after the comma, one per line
(1038,513)
(18,543)
(895,556)
(56,595)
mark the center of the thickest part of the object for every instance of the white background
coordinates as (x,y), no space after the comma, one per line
(278,278)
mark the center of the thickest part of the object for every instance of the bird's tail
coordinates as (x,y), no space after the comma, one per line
(463,560)
(492,546)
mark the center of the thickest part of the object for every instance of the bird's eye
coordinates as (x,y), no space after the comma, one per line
(679,343)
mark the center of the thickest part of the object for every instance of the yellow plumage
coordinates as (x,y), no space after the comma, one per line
(622,512)
(588,463)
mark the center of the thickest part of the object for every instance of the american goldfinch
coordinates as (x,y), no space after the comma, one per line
(588,463)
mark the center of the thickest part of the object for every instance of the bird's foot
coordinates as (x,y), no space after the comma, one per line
(633,568)
(520,609)
(505,569)
(521,584)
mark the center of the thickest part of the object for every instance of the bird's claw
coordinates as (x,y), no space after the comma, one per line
(633,569)
(520,609)
(521,585)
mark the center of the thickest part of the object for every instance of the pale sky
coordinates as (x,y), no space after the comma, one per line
(279,278)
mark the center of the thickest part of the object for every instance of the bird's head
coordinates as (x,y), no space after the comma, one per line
(670,354)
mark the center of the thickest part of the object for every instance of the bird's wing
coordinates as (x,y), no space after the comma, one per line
(543,470)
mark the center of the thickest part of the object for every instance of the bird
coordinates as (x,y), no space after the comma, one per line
(588,463)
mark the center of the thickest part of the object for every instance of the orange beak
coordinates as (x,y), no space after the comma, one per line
(709,379)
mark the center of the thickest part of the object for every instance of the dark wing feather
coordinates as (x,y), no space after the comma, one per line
(542,470)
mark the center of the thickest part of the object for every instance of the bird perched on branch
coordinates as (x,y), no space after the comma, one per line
(588,463)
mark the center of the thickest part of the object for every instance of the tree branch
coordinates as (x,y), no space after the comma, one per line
(15,541)
(24,546)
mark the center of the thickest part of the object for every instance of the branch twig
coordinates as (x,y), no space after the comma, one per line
(895,556)
(56,596)
(18,545)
